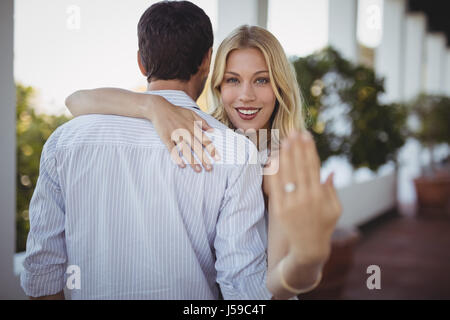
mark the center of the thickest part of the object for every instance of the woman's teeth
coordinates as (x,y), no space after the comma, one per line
(248,111)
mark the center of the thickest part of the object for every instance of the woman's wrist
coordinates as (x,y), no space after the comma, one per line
(311,255)
(151,105)
(147,106)
(290,280)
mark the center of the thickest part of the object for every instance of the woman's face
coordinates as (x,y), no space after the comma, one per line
(246,91)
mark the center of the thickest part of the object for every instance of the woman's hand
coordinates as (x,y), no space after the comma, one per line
(306,209)
(181,130)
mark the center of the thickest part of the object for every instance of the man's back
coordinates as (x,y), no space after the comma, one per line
(138,226)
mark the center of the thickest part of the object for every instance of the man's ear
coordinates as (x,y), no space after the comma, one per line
(141,66)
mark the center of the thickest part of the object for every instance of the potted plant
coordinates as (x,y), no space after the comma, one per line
(433,185)
(343,111)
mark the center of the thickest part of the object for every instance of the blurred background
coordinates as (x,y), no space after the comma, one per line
(375,78)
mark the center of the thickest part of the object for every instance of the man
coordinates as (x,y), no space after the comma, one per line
(112,205)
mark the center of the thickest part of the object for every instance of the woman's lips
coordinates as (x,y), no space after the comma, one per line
(247,113)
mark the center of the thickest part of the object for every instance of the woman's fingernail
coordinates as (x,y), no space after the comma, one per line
(207,167)
(198,168)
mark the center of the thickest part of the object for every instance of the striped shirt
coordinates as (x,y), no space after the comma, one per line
(112,210)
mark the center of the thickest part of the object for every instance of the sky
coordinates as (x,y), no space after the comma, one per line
(65,45)
(301,26)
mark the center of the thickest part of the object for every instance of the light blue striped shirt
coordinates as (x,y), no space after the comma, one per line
(110,201)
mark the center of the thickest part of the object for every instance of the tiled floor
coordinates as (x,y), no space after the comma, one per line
(412,249)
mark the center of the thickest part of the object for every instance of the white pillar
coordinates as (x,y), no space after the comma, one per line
(342,27)
(389,54)
(233,13)
(9,288)
(415,26)
(447,73)
(434,62)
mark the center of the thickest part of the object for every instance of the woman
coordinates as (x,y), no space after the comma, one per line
(253,86)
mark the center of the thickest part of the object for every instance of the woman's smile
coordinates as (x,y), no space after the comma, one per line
(247,113)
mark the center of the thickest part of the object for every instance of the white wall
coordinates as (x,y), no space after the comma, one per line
(447,72)
(9,287)
(415,28)
(342,27)
(233,13)
(434,62)
(389,54)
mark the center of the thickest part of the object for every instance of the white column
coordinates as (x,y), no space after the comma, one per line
(447,73)
(233,13)
(9,287)
(389,54)
(342,27)
(434,62)
(415,26)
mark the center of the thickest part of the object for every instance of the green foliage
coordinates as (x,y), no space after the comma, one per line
(433,112)
(376,131)
(32,131)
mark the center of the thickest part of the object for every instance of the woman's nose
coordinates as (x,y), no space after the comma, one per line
(247,93)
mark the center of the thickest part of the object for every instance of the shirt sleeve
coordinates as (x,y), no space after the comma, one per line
(241,260)
(46,257)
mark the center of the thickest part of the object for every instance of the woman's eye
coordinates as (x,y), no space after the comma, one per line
(262,81)
(231,80)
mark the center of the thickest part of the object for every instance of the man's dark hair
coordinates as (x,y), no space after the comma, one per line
(174,37)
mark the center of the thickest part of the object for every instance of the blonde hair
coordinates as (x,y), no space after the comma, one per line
(288,112)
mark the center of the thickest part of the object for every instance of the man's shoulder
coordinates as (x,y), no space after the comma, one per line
(98,128)
(86,120)
(89,120)
(75,124)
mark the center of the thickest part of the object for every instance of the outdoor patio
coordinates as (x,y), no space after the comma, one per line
(411,247)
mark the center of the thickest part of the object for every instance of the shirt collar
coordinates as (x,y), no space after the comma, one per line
(176,97)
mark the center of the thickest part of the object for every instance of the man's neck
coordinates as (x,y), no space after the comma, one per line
(187,87)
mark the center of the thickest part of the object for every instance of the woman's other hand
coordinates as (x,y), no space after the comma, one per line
(307,209)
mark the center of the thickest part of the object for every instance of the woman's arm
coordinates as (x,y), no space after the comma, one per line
(165,116)
(301,220)
(112,101)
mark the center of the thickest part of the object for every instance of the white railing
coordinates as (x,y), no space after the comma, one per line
(362,202)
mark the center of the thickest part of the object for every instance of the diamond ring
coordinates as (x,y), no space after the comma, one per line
(289,187)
